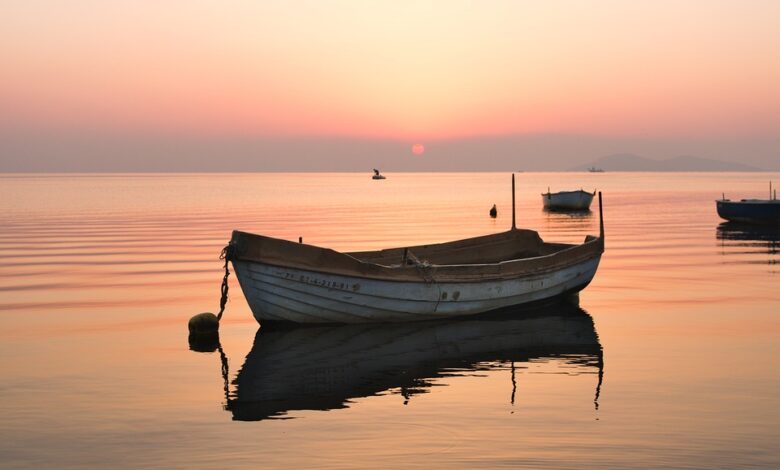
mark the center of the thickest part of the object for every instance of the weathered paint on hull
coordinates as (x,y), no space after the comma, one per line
(572,201)
(763,212)
(289,294)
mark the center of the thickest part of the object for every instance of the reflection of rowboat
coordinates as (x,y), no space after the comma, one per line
(748,232)
(323,367)
(568,200)
(290,281)
(749,239)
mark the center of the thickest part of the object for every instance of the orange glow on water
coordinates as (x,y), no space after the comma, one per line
(117,263)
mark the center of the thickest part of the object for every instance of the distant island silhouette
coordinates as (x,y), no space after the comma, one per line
(21,153)
(631,162)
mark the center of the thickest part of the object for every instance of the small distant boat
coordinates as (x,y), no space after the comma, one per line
(567,200)
(377,176)
(593,169)
(751,211)
(287,281)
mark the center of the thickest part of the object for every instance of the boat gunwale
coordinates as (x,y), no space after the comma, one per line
(578,191)
(592,247)
(748,201)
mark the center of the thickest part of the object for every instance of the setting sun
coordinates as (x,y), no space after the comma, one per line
(418,149)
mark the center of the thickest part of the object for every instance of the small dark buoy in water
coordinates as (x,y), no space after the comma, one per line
(204,332)
(493,211)
(203,323)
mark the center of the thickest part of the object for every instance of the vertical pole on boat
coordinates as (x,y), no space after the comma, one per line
(770,190)
(601,219)
(514,226)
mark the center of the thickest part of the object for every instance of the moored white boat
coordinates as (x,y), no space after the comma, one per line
(568,200)
(287,281)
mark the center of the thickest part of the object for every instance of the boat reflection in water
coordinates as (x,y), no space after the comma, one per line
(324,367)
(567,225)
(747,240)
(559,215)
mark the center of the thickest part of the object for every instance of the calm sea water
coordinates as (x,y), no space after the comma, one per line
(672,358)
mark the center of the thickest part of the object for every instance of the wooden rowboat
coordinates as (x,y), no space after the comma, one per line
(288,281)
(578,200)
(751,211)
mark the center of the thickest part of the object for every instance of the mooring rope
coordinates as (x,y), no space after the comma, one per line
(227,255)
(225,374)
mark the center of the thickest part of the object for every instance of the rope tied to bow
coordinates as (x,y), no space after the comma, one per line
(227,256)
(206,324)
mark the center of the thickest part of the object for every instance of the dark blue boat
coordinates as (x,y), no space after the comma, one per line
(751,211)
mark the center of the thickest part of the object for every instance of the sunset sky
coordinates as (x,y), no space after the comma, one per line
(423,71)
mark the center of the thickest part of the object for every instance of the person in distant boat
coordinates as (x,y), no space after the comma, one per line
(493,211)
(376,172)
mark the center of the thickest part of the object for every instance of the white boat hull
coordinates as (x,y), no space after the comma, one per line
(290,294)
(568,200)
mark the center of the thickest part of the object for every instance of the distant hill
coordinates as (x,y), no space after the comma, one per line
(631,162)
